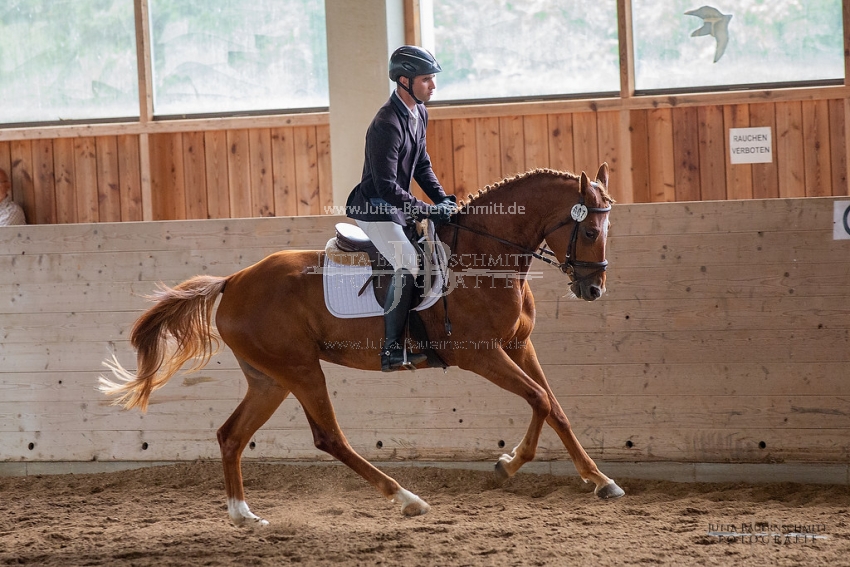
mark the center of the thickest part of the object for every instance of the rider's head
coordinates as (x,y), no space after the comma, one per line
(413,69)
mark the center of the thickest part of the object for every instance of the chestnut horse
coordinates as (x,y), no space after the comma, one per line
(273,317)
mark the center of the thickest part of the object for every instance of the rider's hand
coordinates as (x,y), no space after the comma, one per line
(442,212)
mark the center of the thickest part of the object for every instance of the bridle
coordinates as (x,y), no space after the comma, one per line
(578,213)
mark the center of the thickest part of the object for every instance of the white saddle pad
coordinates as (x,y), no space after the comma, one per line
(343,282)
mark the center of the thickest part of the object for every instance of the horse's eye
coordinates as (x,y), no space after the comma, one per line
(591,233)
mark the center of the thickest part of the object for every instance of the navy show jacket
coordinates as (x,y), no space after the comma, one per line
(395,154)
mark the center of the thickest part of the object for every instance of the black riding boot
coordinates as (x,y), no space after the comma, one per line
(396,307)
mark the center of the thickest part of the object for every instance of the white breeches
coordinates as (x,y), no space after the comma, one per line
(388,237)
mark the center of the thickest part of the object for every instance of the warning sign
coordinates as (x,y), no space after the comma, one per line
(750,145)
(841,220)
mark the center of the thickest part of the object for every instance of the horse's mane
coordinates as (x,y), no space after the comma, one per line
(539,172)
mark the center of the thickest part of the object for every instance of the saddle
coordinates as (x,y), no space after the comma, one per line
(351,247)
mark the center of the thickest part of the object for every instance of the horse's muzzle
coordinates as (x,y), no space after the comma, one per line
(587,291)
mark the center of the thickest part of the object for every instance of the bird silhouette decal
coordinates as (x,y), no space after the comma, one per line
(716,24)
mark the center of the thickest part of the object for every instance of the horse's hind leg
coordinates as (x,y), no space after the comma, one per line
(526,358)
(263,397)
(312,392)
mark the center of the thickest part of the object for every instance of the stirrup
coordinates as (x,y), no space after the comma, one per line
(408,361)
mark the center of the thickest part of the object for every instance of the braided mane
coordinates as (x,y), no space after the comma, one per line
(472,197)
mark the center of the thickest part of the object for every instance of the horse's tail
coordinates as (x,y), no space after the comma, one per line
(178,328)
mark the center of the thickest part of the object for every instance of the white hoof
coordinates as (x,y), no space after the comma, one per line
(411,505)
(242,516)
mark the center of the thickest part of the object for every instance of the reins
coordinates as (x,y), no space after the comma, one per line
(578,213)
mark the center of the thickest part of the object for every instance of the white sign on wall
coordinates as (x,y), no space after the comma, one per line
(841,220)
(750,145)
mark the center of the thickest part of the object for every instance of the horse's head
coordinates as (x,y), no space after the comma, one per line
(581,241)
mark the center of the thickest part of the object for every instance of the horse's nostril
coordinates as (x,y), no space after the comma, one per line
(595,292)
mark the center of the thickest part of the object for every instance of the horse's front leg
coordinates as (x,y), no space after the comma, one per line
(498,368)
(526,358)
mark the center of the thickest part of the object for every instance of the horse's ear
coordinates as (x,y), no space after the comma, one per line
(584,185)
(602,174)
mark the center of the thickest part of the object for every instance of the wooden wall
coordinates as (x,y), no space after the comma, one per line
(248,172)
(670,154)
(663,154)
(724,337)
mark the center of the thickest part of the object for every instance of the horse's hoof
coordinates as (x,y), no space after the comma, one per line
(416,508)
(411,505)
(242,517)
(609,492)
(501,470)
(251,523)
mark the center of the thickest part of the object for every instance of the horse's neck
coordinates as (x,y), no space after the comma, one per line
(517,215)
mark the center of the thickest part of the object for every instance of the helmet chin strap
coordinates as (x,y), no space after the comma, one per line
(409,89)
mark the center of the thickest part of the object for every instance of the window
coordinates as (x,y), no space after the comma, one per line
(67,60)
(521,49)
(220,56)
(769,41)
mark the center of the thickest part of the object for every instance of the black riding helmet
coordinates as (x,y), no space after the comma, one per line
(411,61)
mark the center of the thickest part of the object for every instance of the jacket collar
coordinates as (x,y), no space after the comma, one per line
(406,112)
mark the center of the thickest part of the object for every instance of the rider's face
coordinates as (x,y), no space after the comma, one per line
(424,86)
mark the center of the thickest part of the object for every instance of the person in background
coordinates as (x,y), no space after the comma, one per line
(382,204)
(10,212)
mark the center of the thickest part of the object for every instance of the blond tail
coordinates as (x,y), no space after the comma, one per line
(178,328)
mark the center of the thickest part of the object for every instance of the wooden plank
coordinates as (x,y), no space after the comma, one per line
(108,180)
(283,166)
(536,136)
(323,145)
(712,153)
(561,154)
(488,142)
(130,177)
(730,217)
(441,151)
(195,175)
(765,175)
(585,142)
(501,411)
(686,154)
(66,183)
(739,177)
(608,134)
(260,158)
(217,176)
(85,167)
(817,162)
(6,159)
(789,149)
(838,148)
(283,232)
(716,314)
(465,157)
(661,164)
(639,132)
(306,170)
(512,142)
(707,347)
(626,190)
(21,176)
(44,183)
(167,177)
(239,173)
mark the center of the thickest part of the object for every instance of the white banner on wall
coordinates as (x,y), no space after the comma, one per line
(841,220)
(750,145)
